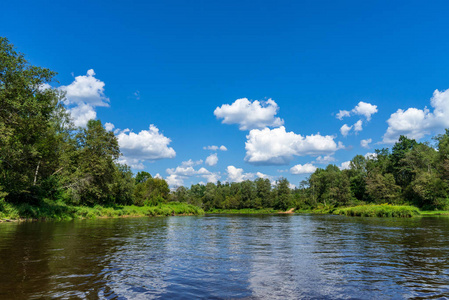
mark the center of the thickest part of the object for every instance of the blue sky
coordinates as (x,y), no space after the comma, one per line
(381,66)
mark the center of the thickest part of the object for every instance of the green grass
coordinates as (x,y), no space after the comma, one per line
(50,210)
(435,212)
(243,211)
(383,210)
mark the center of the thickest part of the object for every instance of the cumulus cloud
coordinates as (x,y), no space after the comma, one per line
(212,159)
(365,143)
(82,113)
(82,96)
(250,115)
(237,174)
(358,126)
(186,170)
(344,130)
(343,113)
(132,162)
(174,180)
(86,89)
(109,126)
(416,123)
(215,148)
(303,169)
(345,165)
(365,109)
(263,176)
(277,147)
(361,109)
(324,159)
(191,163)
(148,145)
(370,155)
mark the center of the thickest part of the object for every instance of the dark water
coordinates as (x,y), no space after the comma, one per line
(226,257)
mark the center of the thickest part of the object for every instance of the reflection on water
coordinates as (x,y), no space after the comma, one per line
(222,257)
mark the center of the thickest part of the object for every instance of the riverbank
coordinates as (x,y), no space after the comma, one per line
(383,210)
(243,211)
(48,210)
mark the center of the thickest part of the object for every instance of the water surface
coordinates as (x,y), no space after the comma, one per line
(227,257)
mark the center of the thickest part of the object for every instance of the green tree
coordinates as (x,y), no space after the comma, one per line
(26,112)
(91,183)
(283,193)
(142,176)
(263,192)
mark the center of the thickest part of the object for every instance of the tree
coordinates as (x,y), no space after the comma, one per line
(382,188)
(95,160)
(282,188)
(402,172)
(26,111)
(142,176)
(263,192)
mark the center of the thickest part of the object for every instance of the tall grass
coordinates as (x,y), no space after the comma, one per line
(383,210)
(242,211)
(51,210)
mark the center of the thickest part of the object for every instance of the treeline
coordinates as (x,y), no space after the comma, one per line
(411,173)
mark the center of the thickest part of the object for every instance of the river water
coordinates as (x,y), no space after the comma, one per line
(227,257)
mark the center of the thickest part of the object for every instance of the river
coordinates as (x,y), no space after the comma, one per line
(227,257)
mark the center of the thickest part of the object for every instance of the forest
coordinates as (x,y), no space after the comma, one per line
(44,157)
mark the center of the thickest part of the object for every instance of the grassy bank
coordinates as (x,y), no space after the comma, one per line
(48,210)
(435,213)
(243,211)
(384,210)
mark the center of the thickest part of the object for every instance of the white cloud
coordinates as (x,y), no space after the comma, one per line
(212,177)
(277,147)
(82,113)
(82,96)
(361,109)
(249,115)
(416,123)
(370,155)
(345,165)
(109,126)
(133,163)
(303,169)
(343,113)
(158,176)
(185,171)
(344,130)
(237,175)
(365,109)
(174,180)
(215,148)
(264,176)
(212,159)
(182,171)
(365,143)
(291,186)
(358,126)
(86,89)
(146,145)
(191,163)
(43,87)
(324,159)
